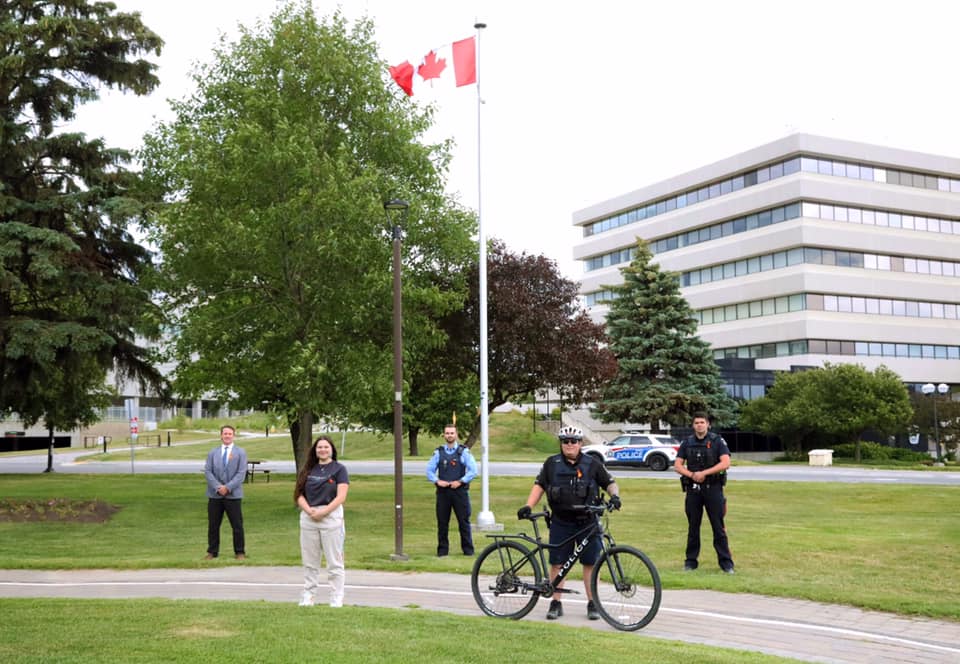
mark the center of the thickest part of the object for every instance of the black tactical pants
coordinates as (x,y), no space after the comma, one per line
(711,498)
(457,500)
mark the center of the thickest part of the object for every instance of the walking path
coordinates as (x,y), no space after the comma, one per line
(786,627)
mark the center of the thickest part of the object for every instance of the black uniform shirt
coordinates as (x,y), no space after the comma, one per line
(567,484)
(697,452)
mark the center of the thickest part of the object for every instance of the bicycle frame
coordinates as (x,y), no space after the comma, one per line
(507,580)
(582,537)
(512,574)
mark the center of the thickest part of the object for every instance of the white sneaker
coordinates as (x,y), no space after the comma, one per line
(306,599)
(336,603)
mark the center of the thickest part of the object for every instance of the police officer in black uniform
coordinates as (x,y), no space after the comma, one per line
(571,479)
(702,462)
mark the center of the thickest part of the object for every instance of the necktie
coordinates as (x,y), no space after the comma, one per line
(226,455)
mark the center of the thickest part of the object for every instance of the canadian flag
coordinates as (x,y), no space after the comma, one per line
(435,66)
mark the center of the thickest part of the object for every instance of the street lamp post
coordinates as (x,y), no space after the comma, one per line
(396,211)
(932,390)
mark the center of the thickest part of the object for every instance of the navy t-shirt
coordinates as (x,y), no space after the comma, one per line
(321,487)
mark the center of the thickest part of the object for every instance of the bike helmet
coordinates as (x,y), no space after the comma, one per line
(570,433)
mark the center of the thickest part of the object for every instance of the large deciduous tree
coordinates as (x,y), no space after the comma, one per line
(275,246)
(72,300)
(838,402)
(665,372)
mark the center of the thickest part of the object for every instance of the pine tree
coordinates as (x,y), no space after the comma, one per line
(665,371)
(72,304)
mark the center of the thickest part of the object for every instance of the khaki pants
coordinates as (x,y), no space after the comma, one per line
(323,539)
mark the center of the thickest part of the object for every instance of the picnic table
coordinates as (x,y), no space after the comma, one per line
(252,470)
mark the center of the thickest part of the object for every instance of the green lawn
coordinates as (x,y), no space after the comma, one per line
(85,631)
(893,548)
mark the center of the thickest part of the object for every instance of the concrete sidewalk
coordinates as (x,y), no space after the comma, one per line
(787,627)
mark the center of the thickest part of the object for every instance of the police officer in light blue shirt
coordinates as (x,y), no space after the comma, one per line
(451,469)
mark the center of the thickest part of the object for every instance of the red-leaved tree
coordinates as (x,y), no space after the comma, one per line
(539,335)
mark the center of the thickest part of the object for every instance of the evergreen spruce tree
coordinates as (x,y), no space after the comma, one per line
(72,303)
(664,371)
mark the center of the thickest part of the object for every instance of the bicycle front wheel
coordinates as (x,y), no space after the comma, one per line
(626,588)
(504,580)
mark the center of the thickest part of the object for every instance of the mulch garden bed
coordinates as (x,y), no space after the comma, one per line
(55,509)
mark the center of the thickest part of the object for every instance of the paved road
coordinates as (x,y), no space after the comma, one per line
(790,628)
(65,462)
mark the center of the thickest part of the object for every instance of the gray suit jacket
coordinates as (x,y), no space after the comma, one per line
(231,476)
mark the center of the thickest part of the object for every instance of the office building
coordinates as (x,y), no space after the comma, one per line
(799,252)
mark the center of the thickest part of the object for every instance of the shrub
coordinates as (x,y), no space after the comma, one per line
(903,454)
(870,451)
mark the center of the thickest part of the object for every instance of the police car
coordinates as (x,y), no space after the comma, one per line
(655,451)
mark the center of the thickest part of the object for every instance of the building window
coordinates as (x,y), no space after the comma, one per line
(833,168)
(812,255)
(840,347)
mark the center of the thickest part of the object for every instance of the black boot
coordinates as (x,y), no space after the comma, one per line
(592,613)
(556,610)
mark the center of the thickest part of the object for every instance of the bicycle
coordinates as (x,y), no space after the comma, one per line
(508,578)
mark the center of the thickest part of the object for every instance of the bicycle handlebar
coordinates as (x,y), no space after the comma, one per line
(545,514)
(604,506)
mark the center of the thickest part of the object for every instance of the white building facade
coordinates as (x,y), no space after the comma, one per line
(802,251)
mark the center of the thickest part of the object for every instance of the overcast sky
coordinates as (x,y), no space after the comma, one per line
(587,101)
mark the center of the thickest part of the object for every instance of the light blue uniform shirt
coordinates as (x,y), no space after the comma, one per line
(465,458)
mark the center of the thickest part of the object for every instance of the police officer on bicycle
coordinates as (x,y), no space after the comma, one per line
(570,480)
(702,462)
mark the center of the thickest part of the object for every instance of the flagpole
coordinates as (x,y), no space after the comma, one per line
(485,519)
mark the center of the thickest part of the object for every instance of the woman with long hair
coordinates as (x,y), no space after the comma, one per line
(320,492)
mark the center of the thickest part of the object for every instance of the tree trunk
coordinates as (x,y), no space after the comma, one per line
(474,434)
(793,447)
(301,431)
(414,435)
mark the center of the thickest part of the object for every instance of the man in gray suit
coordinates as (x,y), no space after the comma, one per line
(226,469)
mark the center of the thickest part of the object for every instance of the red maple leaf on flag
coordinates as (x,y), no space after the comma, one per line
(431,67)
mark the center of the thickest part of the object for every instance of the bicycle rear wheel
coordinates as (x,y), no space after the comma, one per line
(626,588)
(504,579)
